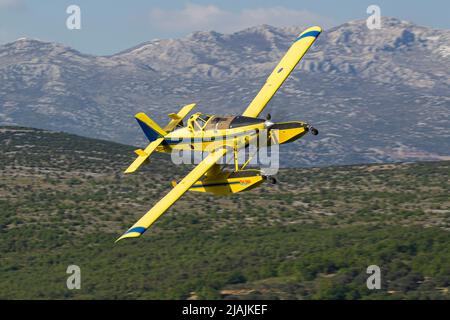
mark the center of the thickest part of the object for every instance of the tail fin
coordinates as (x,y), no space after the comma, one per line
(151,129)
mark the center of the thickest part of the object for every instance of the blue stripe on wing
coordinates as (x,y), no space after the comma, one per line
(140,230)
(314,34)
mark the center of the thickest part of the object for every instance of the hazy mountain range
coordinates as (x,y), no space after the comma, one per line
(374,95)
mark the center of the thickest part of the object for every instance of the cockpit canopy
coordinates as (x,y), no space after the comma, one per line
(199,121)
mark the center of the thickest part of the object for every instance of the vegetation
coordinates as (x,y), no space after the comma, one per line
(64,201)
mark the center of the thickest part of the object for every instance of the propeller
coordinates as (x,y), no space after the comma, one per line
(312,130)
(272,180)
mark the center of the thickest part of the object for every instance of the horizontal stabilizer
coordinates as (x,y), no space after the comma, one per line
(177,117)
(174,116)
(143,155)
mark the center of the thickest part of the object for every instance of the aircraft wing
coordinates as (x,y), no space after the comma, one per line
(282,70)
(166,202)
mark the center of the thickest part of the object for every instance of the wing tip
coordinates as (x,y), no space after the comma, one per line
(134,232)
(313,28)
(310,32)
(128,235)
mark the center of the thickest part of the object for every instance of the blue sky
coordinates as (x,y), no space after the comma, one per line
(111,26)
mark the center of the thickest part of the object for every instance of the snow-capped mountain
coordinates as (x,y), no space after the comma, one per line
(374,95)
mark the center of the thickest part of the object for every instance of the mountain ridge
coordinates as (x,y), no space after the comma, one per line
(375,95)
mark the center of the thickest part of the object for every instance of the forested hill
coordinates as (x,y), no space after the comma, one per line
(64,201)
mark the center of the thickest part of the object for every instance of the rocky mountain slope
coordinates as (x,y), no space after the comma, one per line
(374,95)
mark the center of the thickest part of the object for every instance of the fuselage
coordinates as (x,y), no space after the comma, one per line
(205,131)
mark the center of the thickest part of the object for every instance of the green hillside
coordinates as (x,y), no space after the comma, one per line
(64,201)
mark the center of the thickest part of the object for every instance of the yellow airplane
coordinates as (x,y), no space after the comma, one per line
(217,135)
